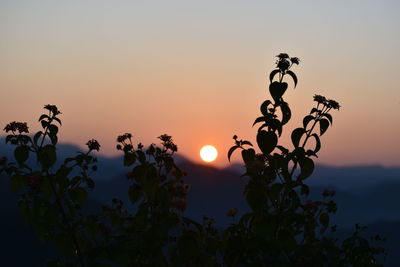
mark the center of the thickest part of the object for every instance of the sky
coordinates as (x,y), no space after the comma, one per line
(198,70)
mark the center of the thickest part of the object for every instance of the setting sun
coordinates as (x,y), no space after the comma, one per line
(208,153)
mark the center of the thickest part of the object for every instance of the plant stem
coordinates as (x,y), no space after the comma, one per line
(67,222)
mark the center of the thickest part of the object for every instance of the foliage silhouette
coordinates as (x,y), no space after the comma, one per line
(283,228)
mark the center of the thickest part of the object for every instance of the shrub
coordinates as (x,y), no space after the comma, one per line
(283,227)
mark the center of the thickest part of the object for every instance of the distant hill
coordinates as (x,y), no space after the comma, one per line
(365,194)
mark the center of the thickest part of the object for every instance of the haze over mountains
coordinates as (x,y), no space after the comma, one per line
(365,194)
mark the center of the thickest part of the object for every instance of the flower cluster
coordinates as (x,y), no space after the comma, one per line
(14,126)
(53,109)
(284,62)
(93,145)
(168,143)
(329,103)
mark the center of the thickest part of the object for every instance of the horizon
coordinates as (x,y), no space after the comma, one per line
(199,71)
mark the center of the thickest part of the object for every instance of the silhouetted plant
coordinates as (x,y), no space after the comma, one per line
(283,228)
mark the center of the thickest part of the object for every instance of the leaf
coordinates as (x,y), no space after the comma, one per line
(323,125)
(272,74)
(317,143)
(44,124)
(294,77)
(296,136)
(264,107)
(324,219)
(21,154)
(47,156)
(43,116)
(247,143)
(36,137)
(53,139)
(231,151)
(306,120)
(129,158)
(248,155)
(53,129)
(307,168)
(328,116)
(286,113)
(283,149)
(259,119)
(57,120)
(266,141)
(277,89)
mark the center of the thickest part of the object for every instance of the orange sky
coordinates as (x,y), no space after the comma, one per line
(198,71)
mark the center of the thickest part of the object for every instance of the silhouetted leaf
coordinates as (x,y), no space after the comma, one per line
(264,107)
(53,129)
(47,156)
(317,143)
(57,120)
(283,149)
(294,77)
(310,152)
(315,110)
(129,158)
(43,116)
(307,168)
(259,119)
(272,74)
(286,113)
(247,143)
(323,124)
(21,154)
(266,141)
(248,155)
(328,116)
(296,136)
(44,124)
(277,90)
(36,137)
(306,120)
(231,151)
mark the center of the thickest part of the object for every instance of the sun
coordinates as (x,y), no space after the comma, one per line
(208,153)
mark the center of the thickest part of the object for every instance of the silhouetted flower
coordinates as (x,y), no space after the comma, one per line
(333,104)
(283,64)
(319,99)
(14,126)
(282,56)
(295,60)
(93,145)
(53,109)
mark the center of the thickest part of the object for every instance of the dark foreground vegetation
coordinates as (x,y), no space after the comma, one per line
(284,227)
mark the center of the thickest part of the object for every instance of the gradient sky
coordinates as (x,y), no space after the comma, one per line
(197,70)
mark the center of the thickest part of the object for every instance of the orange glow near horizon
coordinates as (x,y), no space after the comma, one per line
(199,71)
